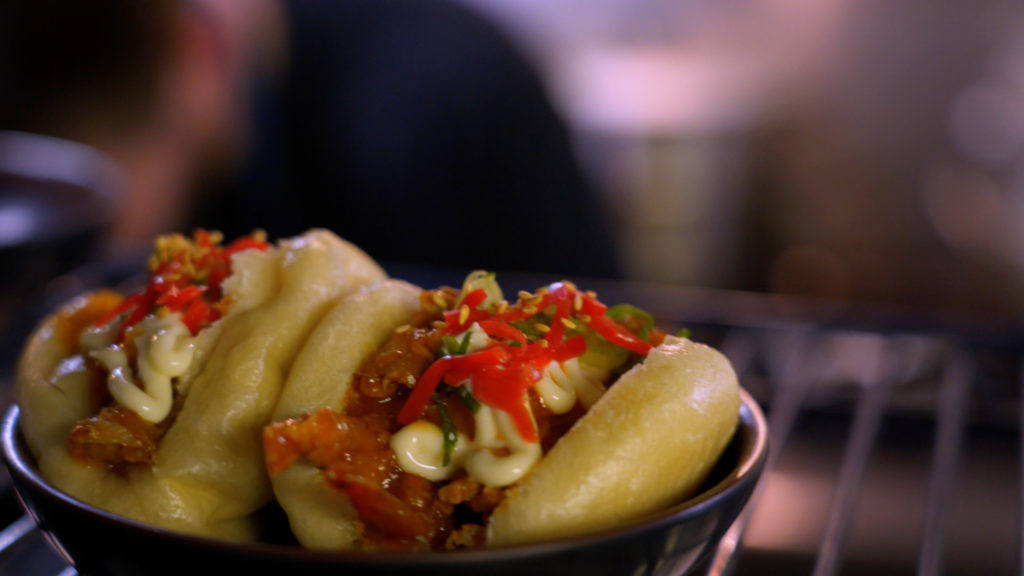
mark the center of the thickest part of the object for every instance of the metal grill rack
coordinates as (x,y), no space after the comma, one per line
(895,440)
(892,453)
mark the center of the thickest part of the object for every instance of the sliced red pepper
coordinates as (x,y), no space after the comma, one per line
(475,298)
(168,286)
(176,299)
(197,313)
(128,303)
(505,387)
(425,387)
(502,331)
(430,379)
(472,301)
(245,243)
(571,348)
(144,302)
(502,374)
(554,335)
(616,334)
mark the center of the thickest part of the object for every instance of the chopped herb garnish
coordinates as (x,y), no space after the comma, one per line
(467,398)
(452,345)
(448,431)
(634,318)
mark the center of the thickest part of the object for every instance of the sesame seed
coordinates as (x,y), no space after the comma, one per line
(591,294)
(529,310)
(577,302)
(585,318)
(543,343)
(463,314)
(438,299)
(568,323)
(544,328)
(524,295)
(502,307)
(402,328)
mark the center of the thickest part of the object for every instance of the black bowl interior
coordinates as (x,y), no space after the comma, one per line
(670,542)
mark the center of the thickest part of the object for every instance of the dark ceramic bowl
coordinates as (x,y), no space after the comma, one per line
(673,541)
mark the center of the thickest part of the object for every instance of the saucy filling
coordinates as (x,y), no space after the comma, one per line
(356,447)
(135,347)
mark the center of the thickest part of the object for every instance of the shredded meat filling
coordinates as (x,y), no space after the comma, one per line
(115,437)
(352,446)
(401,510)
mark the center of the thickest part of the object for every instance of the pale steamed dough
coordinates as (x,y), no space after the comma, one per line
(304,316)
(322,517)
(649,442)
(209,475)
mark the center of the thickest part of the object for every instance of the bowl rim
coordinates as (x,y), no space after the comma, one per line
(752,459)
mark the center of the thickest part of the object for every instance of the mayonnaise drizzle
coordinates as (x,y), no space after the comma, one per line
(485,465)
(563,383)
(496,455)
(165,351)
(419,448)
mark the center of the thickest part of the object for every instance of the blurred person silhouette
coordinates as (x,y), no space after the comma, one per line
(414,129)
(418,131)
(134,80)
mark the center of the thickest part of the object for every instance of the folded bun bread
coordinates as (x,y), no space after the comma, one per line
(476,475)
(207,475)
(649,442)
(322,517)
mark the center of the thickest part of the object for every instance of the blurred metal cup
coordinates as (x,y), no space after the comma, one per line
(57,199)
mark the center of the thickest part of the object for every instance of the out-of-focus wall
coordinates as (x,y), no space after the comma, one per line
(866,150)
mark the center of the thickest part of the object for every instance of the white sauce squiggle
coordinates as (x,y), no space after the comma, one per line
(563,383)
(497,455)
(165,351)
(485,465)
(419,448)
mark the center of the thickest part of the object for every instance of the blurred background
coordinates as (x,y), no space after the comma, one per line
(866,153)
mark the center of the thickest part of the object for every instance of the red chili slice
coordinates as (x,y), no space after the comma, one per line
(504,387)
(502,374)
(571,348)
(245,243)
(616,334)
(554,335)
(144,305)
(430,379)
(502,331)
(176,299)
(472,301)
(197,314)
(178,291)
